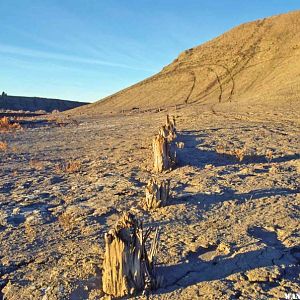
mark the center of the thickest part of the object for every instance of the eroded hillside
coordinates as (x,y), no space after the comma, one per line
(255,63)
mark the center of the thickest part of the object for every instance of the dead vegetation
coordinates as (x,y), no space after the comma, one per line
(71,166)
(67,221)
(36,164)
(269,155)
(238,153)
(6,125)
(3,146)
(30,232)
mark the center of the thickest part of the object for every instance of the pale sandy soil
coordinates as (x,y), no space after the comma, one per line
(231,230)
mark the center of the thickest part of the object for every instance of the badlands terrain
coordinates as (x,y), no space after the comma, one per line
(231,227)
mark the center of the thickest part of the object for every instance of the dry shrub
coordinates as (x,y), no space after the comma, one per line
(67,221)
(30,232)
(7,125)
(238,153)
(273,169)
(269,155)
(71,166)
(35,164)
(3,146)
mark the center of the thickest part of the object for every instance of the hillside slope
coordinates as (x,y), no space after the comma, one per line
(36,103)
(254,63)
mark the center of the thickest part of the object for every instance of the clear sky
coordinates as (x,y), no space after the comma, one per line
(87,49)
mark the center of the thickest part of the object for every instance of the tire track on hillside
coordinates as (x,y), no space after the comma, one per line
(221,80)
(192,88)
(249,54)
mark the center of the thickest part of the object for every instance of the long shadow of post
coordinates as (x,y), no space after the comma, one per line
(193,156)
(271,253)
(195,270)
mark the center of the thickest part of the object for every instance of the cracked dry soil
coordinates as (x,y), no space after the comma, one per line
(230,231)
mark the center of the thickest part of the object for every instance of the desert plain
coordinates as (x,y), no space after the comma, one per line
(230,229)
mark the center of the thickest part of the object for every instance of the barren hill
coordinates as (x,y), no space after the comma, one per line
(254,63)
(36,103)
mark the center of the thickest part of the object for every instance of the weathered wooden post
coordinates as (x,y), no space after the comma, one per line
(157,194)
(164,147)
(171,124)
(127,268)
(163,131)
(161,157)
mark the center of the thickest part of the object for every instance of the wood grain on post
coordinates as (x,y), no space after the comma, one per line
(157,194)
(161,158)
(127,268)
(171,123)
(164,147)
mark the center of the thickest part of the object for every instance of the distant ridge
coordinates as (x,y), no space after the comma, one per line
(254,63)
(33,104)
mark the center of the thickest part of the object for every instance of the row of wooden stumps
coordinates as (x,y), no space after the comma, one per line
(128,267)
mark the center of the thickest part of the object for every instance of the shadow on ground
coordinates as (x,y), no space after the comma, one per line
(195,270)
(193,156)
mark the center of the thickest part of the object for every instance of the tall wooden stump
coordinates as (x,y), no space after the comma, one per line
(161,158)
(127,268)
(167,132)
(164,147)
(157,194)
(171,123)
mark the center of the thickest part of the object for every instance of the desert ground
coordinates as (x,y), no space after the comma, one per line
(229,231)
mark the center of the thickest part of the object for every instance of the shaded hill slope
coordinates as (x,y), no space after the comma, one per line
(254,63)
(36,103)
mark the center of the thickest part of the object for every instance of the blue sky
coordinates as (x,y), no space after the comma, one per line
(87,49)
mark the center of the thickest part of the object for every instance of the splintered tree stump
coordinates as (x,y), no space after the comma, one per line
(170,128)
(164,147)
(157,194)
(127,267)
(167,132)
(171,123)
(161,154)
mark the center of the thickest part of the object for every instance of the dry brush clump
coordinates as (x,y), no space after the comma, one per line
(30,232)
(71,166)
(36,164)
(3,146)
(128,268)
(238,153)
(269,155)
(67,221)
(6,125)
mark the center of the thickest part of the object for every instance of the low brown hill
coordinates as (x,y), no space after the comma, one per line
(32,104)
(254,63)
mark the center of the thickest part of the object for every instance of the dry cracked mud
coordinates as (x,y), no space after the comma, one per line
(230,231)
